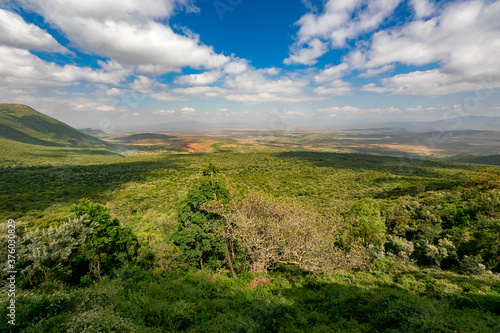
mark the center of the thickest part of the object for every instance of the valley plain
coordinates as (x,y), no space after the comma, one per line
(434,144)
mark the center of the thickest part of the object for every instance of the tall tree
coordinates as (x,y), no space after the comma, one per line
(366,223)
(197,230)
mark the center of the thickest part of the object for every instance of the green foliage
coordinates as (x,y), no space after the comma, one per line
(200,302)
(109,245)
(52,254)
(195,235)
(414,213)
(367,223)
(472,265)
(87,247)
(211,171)
(385,265)
(399,247)
(443,250)
(91,211)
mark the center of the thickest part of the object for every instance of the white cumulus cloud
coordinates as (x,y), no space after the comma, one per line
(15,32)
(20,68)
(163,112)
(127,32)
(462,41)
(198,79)
(341,20)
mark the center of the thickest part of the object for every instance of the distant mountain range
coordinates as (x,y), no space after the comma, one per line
(144,136)
(452,124)
(24,124)
(282,122)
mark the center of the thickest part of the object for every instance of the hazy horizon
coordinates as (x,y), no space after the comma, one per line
(280,123)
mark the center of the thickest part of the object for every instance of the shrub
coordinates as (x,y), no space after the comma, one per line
(400,247)
(472,265)
(108,245)
(445,249)
(385,265)
(52,254)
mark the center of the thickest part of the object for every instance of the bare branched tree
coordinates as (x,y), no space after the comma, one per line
(274,232)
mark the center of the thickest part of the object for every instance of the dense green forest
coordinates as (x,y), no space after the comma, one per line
(257,242)
(263,241)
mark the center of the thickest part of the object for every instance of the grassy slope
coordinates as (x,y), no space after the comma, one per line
(30,138)
(23,124)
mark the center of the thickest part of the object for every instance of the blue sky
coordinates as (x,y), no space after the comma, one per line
(114,64)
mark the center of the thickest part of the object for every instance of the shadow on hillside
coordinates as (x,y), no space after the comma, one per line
(415,176)
(488,160)
(392,165)
(41,125)
(65,152)
(15,135)
(381,309)
(24,189)
(199,302)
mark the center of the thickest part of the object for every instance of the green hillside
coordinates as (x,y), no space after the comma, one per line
(23,124)
(29,137)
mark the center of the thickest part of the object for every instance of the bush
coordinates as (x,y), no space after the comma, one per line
(472,265)
(445,249)
(399,247)
(385,265)
(108,245)
(102,319)
(272,232)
